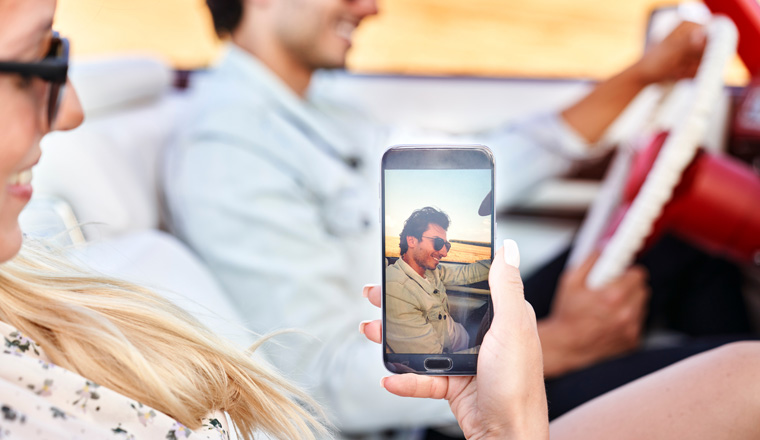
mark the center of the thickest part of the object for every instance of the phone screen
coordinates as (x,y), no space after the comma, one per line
(438,229)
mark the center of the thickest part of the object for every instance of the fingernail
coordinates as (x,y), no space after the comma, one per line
(365,289)
(698,35)
(362,325)
(382,382)
(511,253)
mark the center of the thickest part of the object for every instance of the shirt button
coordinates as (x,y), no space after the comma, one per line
(439,316)
(435,291)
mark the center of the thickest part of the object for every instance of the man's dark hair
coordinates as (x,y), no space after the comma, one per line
(226,15)
(418,223)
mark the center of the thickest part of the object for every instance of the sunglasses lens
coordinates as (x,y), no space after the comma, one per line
(438,243)
(54,101)
(59,49)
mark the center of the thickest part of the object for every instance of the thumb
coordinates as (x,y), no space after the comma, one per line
(506,284)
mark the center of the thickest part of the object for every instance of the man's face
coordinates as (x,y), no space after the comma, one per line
(423,251)
(317,34)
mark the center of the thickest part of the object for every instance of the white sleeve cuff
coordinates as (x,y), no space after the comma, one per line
(556,135)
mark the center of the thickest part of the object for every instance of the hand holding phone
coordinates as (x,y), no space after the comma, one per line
(438,228)
(506,399)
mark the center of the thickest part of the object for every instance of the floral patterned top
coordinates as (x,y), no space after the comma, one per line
(40,400)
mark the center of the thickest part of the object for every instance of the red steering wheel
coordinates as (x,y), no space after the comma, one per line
(671,184)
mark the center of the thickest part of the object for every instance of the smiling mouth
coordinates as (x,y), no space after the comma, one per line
(20,178)
(345,29)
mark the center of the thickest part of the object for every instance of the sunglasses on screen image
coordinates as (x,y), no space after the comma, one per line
(53,68)
(439,243)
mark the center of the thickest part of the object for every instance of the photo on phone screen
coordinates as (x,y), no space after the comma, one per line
(438,229)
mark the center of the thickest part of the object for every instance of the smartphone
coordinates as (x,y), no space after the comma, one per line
(437,238)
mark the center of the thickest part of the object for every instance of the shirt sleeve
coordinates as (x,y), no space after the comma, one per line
(532,151)
(458,336)
(460,275)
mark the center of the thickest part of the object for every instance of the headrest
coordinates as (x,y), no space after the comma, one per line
(113,83)
(106,169)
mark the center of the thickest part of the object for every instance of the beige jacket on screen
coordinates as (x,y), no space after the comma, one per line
(417,309)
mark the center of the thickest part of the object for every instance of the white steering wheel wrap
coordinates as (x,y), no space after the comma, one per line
(677,153)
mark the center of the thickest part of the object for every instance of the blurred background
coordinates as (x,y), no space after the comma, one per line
(499,38)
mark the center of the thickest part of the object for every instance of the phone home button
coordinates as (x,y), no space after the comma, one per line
(438,364)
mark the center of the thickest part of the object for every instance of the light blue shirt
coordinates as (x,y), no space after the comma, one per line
(279,196)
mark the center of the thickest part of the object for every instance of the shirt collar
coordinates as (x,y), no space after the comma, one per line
(268,86)
(237,61)
(428,287)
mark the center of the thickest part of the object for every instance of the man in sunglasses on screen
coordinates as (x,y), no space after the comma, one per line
(418,318)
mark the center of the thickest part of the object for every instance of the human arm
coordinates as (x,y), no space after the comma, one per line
(460,339)
(463,274)
(587,325)
(712,395)
(491,405)
(460,275)
(675,57)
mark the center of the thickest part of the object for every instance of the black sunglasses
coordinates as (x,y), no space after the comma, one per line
(53,68)
(439,243)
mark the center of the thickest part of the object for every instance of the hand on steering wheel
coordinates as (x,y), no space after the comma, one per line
(676,57)
(677,153)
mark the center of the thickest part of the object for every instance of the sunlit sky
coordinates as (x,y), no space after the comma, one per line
(458,193)
(536,38)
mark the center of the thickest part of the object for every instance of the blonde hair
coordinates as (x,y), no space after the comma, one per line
(139,344)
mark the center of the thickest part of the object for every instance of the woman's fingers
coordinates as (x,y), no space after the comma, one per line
(576,276)
(415,385)
(373,330)
(372,292)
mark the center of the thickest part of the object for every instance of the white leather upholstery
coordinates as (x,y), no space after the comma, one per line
(107,168)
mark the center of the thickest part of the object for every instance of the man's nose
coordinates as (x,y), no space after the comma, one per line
(70,115)
(443,252)
(363,8)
